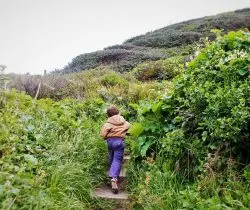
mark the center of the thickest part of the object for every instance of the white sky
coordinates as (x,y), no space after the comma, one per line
(46,34)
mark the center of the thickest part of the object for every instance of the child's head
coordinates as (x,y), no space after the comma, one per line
(112,110)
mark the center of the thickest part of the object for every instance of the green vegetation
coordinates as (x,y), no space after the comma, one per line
(119,59)
(192,149)
(155,45)
(190,137)
(51,153)
(100,83)
(191,31)
(159,70)
(189,103)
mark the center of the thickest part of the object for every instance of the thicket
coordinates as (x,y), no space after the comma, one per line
(110,86)
(51,155)
(165,69)
(191,31)
(119,59)
(192,148)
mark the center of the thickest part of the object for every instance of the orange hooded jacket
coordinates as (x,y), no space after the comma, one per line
(116,126)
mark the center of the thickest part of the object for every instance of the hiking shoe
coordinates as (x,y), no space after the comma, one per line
(114,185)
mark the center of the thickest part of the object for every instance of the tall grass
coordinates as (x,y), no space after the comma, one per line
(154,188)
(51,154)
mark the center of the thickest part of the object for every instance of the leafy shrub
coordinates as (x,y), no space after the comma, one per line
(159,70)
(207,98)
(114,79)
(200,130)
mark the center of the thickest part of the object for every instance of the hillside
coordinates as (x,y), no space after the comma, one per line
(159,44)
(189,143)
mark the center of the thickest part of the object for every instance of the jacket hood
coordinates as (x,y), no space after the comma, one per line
(116,120)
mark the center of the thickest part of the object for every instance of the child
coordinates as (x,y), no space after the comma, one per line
(114,131)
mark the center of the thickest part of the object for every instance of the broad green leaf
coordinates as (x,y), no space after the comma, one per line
(204,135)
(134,106)
(243,72)
(136,129)
(156,107)
(145,148)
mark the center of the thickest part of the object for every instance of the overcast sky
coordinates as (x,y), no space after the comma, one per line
(47,34)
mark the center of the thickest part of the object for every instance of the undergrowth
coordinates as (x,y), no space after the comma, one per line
(189,140)
(192,145)
(51,153)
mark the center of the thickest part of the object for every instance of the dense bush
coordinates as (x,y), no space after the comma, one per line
(200,131)
(191,31)
(159,70)
(211,99)
(120,59)
(166,39)
(51,156)
(114,79)
(184,50)
(51,85)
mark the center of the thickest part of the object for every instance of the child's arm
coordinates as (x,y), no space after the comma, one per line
(127,125)
(105,130)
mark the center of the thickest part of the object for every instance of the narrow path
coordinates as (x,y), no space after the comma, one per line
(105,191)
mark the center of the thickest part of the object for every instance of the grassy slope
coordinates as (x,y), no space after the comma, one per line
(153,45)
(51,155)
(66,190)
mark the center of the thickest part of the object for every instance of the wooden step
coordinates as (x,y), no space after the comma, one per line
(105,192)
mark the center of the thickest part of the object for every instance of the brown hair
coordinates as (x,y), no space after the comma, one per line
(112,110)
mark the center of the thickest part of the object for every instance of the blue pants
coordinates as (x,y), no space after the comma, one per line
(116,150)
